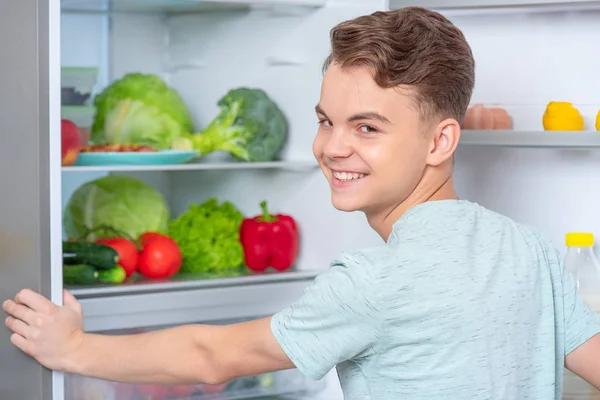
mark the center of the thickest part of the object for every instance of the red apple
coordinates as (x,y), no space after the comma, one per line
(71,142)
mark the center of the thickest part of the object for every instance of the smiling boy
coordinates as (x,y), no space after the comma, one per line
(457,303)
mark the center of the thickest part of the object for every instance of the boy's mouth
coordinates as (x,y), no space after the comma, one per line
(343,179)
(345,176)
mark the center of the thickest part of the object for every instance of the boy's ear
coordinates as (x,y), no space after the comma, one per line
(444,142)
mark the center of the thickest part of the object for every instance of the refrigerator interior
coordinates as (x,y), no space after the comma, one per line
(203,55)
(525,58)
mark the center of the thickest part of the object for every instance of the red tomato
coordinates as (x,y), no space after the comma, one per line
(127,250)
(160,258)
(145,237)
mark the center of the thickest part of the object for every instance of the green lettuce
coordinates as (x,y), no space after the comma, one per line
(208,236)
(140,109)
(115,206)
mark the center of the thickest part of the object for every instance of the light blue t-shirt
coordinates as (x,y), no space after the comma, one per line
(461,303)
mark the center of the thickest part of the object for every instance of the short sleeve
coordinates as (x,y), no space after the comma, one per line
(335,320)
(581,322)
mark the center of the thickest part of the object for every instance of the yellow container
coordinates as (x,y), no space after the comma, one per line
(562,116)
(598,121)
(579,239)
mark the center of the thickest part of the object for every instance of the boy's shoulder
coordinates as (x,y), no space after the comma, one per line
(530,233)
(364,263)
(420,238)
(456,219)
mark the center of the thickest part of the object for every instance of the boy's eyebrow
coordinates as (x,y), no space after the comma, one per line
(319,110)
(370,115)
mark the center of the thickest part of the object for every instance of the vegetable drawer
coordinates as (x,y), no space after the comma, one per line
(288,384)
(283,385)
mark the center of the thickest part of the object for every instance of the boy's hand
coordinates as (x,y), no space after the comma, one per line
(49,333)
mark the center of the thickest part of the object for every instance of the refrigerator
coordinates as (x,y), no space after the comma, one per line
(528,53)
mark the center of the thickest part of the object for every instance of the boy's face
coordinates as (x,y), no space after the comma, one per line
(370,143)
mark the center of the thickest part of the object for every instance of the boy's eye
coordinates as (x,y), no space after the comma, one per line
(367,129)
(326,123)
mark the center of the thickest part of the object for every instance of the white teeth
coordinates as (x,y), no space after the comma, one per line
(347,176)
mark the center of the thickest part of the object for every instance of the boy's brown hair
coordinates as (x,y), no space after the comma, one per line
(414,49)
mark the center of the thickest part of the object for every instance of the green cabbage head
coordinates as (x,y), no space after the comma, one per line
(140,109)
(115,206)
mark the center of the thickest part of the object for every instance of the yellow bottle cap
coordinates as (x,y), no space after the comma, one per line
(580,239)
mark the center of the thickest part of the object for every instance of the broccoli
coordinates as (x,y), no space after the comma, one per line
(250,126)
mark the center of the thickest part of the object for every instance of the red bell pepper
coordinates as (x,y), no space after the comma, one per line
(269,241)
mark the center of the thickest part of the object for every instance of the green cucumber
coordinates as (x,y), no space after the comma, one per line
(113,275)
(95,254)
(81,274)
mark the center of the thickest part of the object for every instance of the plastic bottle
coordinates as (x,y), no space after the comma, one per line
(584,266)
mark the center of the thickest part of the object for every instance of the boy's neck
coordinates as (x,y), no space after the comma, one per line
(435,185)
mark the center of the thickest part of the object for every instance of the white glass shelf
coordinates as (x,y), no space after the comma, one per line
(489,4)
(177,6)
(282,165)
(531,139)
(145,285)
(178,301)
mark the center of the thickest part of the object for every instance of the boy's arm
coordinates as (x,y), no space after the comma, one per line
(584,361)
(53,335)
(187,354)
